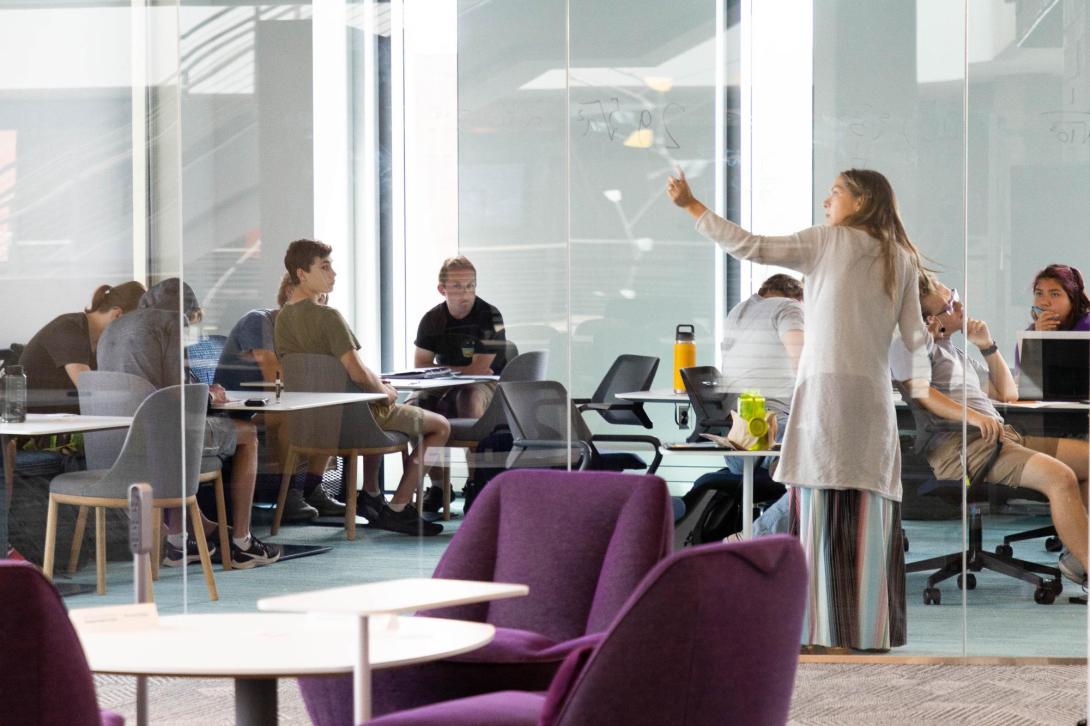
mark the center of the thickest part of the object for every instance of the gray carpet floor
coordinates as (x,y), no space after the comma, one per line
(825,695)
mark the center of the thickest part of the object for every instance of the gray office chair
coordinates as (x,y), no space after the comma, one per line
(710,403)
(111,393)
(468,432)
(541,416)
(1046,580)
(151,454)
(350,430)
(628,373)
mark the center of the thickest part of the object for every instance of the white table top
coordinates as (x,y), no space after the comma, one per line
(293,400)
(393,596)
(711,448)
(655,395)
(422,384)
(270,645)
(42,424)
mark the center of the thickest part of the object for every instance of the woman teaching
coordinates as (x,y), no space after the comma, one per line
(841,453)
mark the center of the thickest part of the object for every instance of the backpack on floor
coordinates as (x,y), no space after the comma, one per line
(496,443)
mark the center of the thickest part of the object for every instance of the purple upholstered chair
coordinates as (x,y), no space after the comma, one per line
(44,677)
(711,637)
(582,541)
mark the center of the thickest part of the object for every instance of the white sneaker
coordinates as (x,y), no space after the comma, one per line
(1071,568)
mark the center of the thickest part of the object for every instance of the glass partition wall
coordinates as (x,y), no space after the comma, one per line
(535,140)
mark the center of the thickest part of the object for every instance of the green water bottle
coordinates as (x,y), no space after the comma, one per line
(751,407)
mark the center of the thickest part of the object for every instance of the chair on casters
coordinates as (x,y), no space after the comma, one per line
(628,373)
(540,415)
(708,401)
(468,432)
(1052,543)
(976,558)
(149,454)
(110,393)
(351,432)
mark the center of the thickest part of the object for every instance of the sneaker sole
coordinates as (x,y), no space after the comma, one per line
(251,562)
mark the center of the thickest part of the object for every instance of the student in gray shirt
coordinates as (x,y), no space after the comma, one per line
(1055,467)
(147,343)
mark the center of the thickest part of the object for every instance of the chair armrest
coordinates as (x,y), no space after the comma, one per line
(578,401)
(607,406)
(651,441)
(540,444)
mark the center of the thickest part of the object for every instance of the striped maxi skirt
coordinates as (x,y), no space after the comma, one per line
(854,549)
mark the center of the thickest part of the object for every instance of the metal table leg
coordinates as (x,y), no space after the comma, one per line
(255,701)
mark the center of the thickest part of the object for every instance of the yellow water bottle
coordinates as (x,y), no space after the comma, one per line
(684,353)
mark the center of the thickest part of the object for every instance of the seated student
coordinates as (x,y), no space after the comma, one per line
(466,334)
(66,346)
(303,326)
(1055,467)
(762,342)
(249,356)
(147,343)
(1059,300)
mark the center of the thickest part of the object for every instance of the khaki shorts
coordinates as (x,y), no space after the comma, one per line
(445,401)
(395,417)
(945,459)
(220,437)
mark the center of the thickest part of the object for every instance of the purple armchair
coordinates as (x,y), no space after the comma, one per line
(710,637)
(44,677)
(582,541)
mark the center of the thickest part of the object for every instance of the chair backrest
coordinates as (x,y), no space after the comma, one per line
(43,671)
(204,356)
(539,412)
(711,636)
(109,393)
(523,367)
(355,427)
(602,532)
(628,373)
(163,446)
(709,401)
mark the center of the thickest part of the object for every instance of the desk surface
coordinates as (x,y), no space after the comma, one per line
(694,448)
(394,596)
(294,400)
(270,645)
(42,424)
(655,395)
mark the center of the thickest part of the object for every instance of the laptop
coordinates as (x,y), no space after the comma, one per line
(1054,366)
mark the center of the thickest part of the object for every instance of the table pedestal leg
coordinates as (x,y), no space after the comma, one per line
(361,678)
(255,701)
(748,463)
(8,444)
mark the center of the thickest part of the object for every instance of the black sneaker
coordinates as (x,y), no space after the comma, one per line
(326,505)
(407,522)
(258,553)
(369,506)
(173,557)
(433,499)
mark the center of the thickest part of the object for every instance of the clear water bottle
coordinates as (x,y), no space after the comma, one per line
(14,385)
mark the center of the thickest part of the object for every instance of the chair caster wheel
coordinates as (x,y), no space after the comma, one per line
(1004,550)
(1053,544)
(932,596)
(968,583)
(1044,596)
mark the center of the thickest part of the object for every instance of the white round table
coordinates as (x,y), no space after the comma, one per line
(255,649)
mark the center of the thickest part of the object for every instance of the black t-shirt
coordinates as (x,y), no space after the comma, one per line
(455,341)
(66,339)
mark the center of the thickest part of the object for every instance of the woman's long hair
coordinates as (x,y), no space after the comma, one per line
(878,217)
(1070,279)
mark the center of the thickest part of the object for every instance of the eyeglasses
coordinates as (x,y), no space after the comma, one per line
(954,299)
(459,287)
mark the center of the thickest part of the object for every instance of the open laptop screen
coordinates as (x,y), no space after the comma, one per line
(1054,366)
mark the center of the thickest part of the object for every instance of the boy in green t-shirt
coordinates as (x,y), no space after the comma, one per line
(304,326)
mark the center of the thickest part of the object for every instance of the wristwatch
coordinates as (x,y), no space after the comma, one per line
(989,350)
